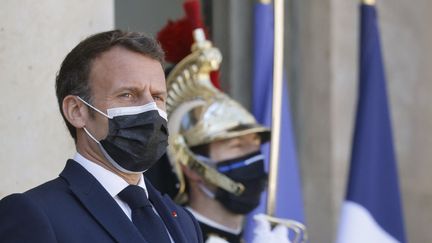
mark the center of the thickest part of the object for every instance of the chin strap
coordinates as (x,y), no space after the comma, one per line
(180,154)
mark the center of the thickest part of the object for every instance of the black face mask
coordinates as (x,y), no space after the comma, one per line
(137,137)
(248,170)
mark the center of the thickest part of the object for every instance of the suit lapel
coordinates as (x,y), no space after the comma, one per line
(100,204)
(167,213)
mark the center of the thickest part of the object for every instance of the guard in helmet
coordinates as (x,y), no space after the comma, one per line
(214,149)
(217,170)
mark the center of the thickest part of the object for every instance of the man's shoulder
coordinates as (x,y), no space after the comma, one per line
(72,173)
(55,186)
(32,202)
(39,195)
(22,220)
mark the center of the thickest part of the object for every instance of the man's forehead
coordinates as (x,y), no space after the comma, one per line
(119,57)
(119,68)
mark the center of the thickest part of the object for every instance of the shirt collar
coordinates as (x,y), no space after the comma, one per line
(112,183)
(203,219)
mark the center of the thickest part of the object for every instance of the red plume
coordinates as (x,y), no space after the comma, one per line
(176,37)
(193,13)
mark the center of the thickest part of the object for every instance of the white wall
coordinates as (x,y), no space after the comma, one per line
(35,36)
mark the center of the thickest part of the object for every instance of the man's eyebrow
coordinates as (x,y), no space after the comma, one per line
(126,88)
(162,93)
(134,88)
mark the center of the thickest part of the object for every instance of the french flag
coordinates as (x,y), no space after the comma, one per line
(372,211)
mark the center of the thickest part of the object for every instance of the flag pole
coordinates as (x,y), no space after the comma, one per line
(276,104)
(368,2)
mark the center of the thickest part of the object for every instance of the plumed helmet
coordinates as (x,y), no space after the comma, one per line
(199,113)
(196,109)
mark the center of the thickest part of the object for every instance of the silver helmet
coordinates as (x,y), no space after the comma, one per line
(199,113)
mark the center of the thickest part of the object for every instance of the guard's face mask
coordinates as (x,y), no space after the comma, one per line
(248,170)
(137,136)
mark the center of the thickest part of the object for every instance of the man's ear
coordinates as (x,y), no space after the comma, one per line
(74,111)
(190,174)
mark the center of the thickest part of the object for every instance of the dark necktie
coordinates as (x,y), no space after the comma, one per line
(145,219)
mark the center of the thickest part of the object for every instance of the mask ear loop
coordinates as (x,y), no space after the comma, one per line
(91,136)
(100,112)
(201,186)
(206,160)
(94,108)
(206,191)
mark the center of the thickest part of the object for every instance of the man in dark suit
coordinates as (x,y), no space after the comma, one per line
(111,92)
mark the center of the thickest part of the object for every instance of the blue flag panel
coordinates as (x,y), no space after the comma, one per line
(373,181)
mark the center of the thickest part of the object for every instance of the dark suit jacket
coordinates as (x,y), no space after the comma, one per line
(76,208)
